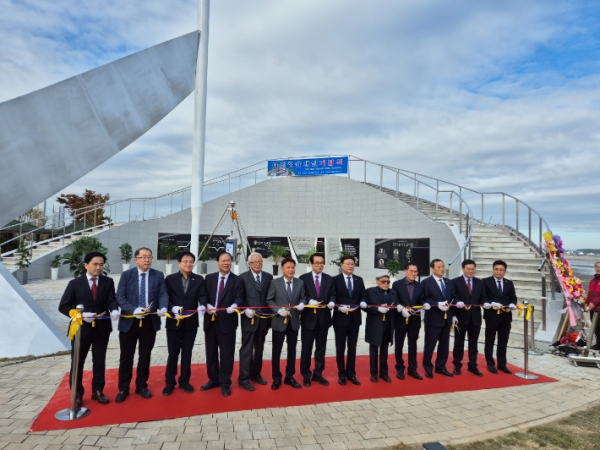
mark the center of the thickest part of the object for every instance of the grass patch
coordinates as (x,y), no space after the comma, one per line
(21,359)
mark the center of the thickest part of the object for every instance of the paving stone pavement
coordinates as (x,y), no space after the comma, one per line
(454,417)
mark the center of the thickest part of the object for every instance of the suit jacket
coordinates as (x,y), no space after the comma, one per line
(432,294)
(277,297)
(233,293)
(255,298)
(309,319)
(507,297)
(375,320)
(359,294)
(477,297)
(401,290)
(189,301)
(128,296)
(78,292)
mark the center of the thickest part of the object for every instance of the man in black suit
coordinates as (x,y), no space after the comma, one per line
(286,298)
(470,296)
(379,330)
(409,293)
(347,318)
(141,289)
(501,301)
(97,295)
(439,293)
(187,291)
(254,329)
(225,290)
(315,322)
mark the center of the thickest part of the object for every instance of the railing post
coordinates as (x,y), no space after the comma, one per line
(143,210)
(380,178)
(349,167)
(541,236)
(129,219)
(96,217)
(171,203)
(155,207)
(450,215)
(365,175)
(525,374)
(460,209)
(503,209)
(417,194)
(230,182)
(415,175)
(181,200)
(397,183)
(517,217)
(529,223)
(482,210)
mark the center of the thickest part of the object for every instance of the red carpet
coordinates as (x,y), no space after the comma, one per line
(180,404)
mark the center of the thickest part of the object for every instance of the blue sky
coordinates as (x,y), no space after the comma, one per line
(492,95)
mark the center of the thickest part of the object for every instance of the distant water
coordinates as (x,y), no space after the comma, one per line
(583,267)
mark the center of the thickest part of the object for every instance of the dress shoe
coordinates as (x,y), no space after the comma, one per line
(456,371)
(492,369)
(225,391)
(306,382)
(354,380)
(444,372)
(319,379)
(415,375)
(400,374)
(187,387)
(275,385)
(385,378)
(121,396)
(595,347)
(209,385)
(100,397)
(78,402)
(475,371)
(168,390)
(247,387)
(505,370)
(374,379)
(145,393)
(291,382)
(260,380)
(342,381)
(428,374)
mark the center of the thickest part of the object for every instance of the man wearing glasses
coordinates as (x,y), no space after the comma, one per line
(254,329)
(141,290)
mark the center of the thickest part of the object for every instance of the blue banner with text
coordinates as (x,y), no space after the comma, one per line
(308,167)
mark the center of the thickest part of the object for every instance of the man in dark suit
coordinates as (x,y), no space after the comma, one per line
(439,293)
(141,289)
(97,295)
(470,296)
(347,318)
(225,292)
(286,298)
(254,329)
(379,330)
(501,301)
(315,322)
(409,293)
(187,291)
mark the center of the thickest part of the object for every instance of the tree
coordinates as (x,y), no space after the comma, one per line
(82,247)
(90,198)
(34,216)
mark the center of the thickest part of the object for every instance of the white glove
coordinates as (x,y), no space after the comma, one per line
(512,306)
(363,305)
(496,305)
(201,310)
(487,305)
(300,306)
(283,312)
(442,306)
(161,312)
(114,315)
(176,310)
(231,309)
(88,317)
(460,305)
(343,308)
(382,310)
(313,302)
(210,309)
(249,313)
(331,305)
(454,321)
(405,313)
(426,306)
(139,311)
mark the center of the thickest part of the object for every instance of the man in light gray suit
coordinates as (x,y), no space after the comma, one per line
(285,293)
(254,329)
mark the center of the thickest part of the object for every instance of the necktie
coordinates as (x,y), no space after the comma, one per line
(317,285)
(143,291)
(349,284)
(500,286)
(220,293)
(443,287)
(411,290)
(469,287)
(258,285)
(288,290)
(94,288)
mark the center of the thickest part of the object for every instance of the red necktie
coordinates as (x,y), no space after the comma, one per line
(469,286)
(94,288)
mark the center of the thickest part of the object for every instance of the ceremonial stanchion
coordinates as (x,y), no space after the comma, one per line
(526,375)
(532,350)
(73,412)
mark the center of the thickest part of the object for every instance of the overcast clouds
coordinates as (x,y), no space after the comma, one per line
(492,95)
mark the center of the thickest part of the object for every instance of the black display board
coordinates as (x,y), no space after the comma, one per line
(352,246)
(403,251)
(263,244)
(217,243)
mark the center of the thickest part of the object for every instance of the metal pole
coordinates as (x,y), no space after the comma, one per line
(380,178)
(529,223)
(541,236)
(155,207)
(532,350)
(525,374)
(586,351)
(73,412)
(397,183)
(129,219)
(144,210)
(544,306)
(517,217)
(503,209)
(365,179)
(460,216)
(482,211)
(450,217)
(171,203)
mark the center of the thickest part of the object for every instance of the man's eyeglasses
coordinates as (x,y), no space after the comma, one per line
(385,282)
(143,257)
(318,264)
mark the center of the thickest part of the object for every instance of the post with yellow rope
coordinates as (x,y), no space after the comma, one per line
(531,350)
(73,412)
(526,316)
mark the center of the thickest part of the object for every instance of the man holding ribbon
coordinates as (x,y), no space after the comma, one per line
(142,296)
(96,293)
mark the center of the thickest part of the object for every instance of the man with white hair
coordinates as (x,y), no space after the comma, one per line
(254,329)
